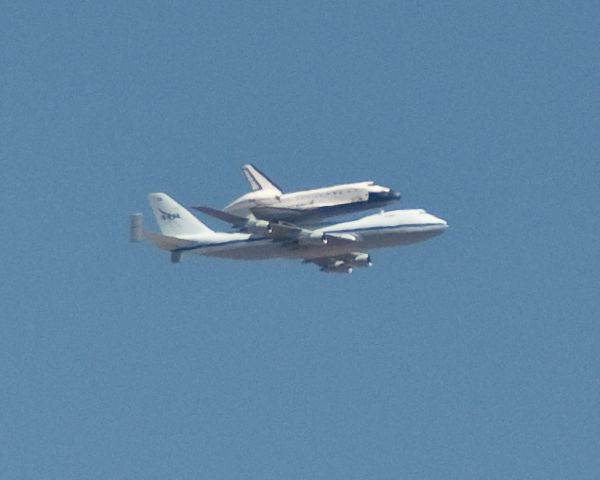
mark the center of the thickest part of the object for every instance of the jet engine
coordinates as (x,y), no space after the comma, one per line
(343,268)
(315,238)
(359,260)
(258,226)
(362,260)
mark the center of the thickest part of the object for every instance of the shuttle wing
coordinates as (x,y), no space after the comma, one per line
(276,213)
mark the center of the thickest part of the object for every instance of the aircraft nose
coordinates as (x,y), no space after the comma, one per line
(440,223)
(394,195)
(443,224)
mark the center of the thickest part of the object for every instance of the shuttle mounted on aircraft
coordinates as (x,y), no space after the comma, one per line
(336,248)
(268,202)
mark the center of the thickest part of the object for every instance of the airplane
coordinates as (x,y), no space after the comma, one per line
(267,201)
(336,248)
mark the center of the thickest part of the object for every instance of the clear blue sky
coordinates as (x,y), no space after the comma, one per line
(474,355)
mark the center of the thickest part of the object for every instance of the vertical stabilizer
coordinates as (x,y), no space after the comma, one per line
(258,180)
(173,219)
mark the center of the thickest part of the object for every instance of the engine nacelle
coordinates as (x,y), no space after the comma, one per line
(362,260)
(315,238)
(258,226)
(343,268)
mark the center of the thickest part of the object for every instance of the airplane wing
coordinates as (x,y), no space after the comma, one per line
(341,263)
(279,231)
(274,230)
(288,232)
(234,220)
(258,180)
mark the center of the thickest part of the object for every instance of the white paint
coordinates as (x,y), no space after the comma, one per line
(188,235)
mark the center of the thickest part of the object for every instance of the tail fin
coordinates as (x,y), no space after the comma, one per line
(258,180)
(173,219)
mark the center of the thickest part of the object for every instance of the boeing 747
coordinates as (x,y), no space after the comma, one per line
(336,248)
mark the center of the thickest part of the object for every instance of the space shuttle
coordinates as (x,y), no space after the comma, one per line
(269,202)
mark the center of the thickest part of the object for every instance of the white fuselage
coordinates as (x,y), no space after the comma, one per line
(320,202)
(386,229)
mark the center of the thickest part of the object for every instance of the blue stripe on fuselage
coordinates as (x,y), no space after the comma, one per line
(350,230)
(365,229)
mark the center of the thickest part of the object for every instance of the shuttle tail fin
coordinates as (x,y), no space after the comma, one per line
(258,180)
(173,219)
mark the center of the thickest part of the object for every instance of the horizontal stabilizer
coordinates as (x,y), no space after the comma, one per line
(168,243)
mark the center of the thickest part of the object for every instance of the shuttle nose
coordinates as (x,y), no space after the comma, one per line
(383,195)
